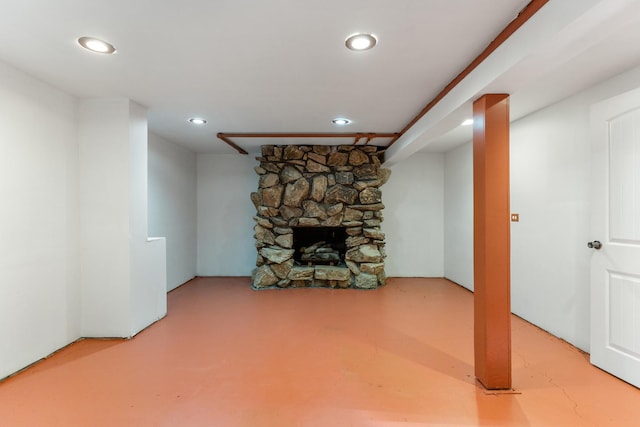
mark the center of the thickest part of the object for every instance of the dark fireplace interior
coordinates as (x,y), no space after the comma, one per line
(319,245)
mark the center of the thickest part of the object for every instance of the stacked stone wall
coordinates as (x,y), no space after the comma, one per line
(319,186)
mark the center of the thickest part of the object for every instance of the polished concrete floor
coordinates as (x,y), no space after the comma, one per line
(401,355)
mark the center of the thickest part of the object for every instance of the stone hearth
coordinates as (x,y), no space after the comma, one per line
(335,188)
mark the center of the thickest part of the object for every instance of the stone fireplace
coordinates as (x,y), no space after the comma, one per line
(319,214)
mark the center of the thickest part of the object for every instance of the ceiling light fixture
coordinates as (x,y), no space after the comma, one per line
(360,41)
(467,122)
(341,121)
(96,45)
(197,121)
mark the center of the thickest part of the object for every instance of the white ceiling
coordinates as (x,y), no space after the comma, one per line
(281,65)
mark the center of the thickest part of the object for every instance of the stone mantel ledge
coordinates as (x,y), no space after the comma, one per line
(319,186)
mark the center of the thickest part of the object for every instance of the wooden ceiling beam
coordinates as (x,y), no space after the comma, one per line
(306,134)
(225,139)
(226,136)
(524,15)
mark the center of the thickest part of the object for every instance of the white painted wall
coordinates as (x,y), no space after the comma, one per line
(414,221)
(39,284)
(550,161)
(123,275)
(74,255)
(549,189)
(225,214)
(148,273)
(458,213)
(104,225)
(413,195)
(173,206)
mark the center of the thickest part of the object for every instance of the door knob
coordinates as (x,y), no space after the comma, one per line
(594,245)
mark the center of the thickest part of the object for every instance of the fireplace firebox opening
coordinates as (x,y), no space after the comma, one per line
(319,245)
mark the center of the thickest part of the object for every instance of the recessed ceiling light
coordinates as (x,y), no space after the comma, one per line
(341,121)
(467,122)
(360,41)
(96,45)
(197,121)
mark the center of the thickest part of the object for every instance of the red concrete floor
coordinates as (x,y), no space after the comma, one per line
(397,356)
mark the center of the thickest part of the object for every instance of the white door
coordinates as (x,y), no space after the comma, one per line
(615,228)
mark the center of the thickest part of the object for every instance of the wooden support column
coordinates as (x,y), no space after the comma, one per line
(491,241)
